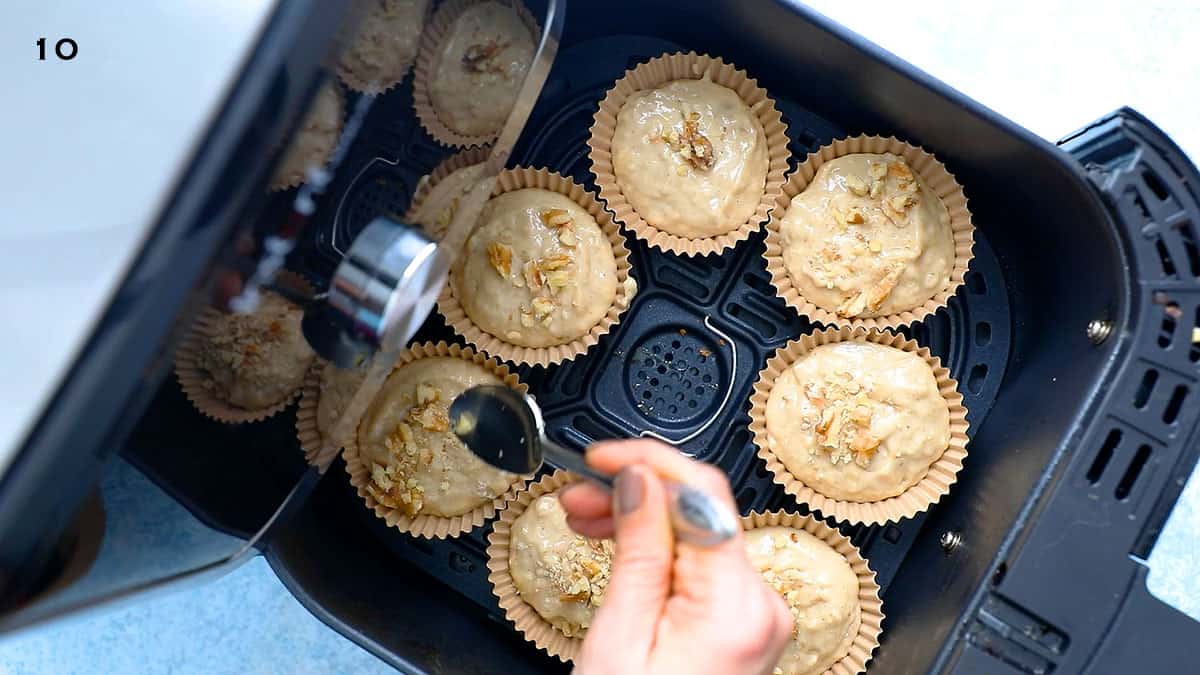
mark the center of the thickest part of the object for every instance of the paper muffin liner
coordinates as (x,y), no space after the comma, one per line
(307,431)
(520,613)
(936,177)
(425,525)
(871,607)
(456,317)
(355,82)
(192,378)
(459,160)
(430,45)
(651,75)
(280,186)
(917,498)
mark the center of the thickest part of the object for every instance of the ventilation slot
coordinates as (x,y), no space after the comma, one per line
(1164,256)
(1167,330)
(1194,352)
(1155,185)
(976,284)
(983,333)
(1171,413)
(764,329)
(1147,387)
(976,377)
(1125,485)
(1189,246)
(1096,470)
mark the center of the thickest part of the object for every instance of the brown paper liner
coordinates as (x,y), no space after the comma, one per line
(522,615)
(655,73)
(925,493)
(459,160)
(871,607)
(427,53)
(355,82)
(192,378)
(425,525)
(307,432)
(451,309)
(936,177)
(280,186)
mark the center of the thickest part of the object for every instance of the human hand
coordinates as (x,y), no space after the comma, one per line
(670,607)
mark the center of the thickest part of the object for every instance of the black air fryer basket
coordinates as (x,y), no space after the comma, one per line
(1071,342)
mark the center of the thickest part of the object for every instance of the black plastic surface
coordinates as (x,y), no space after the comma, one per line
(681,363)
(1078,573)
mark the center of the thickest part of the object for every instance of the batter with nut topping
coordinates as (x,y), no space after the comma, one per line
(417,463)
(867,238)
(819,587)
(857,421)
(256,360)
(313,143)
(437,210)
(480,66)
(562,575)
(537,270)
(691,158)
(337,389)
(384,45)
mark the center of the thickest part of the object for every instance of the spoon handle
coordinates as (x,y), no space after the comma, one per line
(697,518)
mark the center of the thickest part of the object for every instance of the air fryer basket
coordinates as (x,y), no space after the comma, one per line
(1049,259)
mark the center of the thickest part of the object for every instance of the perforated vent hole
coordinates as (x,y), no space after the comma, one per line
(378,195)
(1171,412)
(676,376)
(1155,185)
(1096,470)
(1164,257)
(1149,379)
(1125,485)
(891,534)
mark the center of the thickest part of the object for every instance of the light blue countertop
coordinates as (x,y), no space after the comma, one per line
(1051,65)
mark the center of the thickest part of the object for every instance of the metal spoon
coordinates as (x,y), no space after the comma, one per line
(505,429)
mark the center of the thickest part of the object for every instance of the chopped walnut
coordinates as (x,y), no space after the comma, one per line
(692,145)
(566,236)
(581,574)
(431,413)
(480,58)
(554,262)
(533,275)
(857,185)
(501,258)
(843,427)
(556,217)
(558,279)
(542,307)
(877,170)
(875,246)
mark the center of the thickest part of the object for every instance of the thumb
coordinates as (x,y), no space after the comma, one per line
(640,582)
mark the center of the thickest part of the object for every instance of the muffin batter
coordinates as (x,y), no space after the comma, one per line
(338,386)
(417,463)
(314,142)
(257,360)
(559,573)
(479,68)
(690,157)
(439,206)
(819,587)
(857,421)
(867,238)
(537,270)
(381,51)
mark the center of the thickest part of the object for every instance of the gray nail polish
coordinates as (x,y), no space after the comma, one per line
(630,488)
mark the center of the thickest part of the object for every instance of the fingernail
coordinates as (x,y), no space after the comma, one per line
(630,488)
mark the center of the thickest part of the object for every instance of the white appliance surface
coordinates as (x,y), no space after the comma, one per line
(91,148)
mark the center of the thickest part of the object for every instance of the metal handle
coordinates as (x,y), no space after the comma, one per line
(697,517)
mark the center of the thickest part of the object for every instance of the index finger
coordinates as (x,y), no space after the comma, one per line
(611,456)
